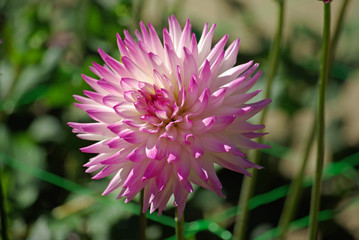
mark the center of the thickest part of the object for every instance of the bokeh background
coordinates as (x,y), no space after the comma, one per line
(45,47)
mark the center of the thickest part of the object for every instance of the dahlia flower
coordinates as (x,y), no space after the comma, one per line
(167,112)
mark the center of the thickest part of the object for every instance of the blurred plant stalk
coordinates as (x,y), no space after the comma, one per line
(179,226)
(143,220)
(337,31)
(293,197)
(324,72)
(295,189)
(3,216)
(248,184)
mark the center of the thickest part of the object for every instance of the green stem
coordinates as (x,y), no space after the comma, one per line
(246,194)
(324,72)
(179,226)
(248,184)
(143,220)
(337,30)
(274,53)
(3,217)
(295,189)
(294,193)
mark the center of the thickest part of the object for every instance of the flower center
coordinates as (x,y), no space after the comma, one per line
(158,108)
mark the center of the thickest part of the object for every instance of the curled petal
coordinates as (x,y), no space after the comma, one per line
(132,136)
(202,102)
(116,181)
(126,110)
(137,155)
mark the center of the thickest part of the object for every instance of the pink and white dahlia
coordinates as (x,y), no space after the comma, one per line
(167,112)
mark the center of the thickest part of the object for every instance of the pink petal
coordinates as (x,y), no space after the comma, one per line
(219,144)
(192,91)
(174,30)
(244,142)
(189,66)
(249,83)
(95,161)
(156,148)
(133,137)
(116,181)
(98,147)
(145,36)
(155,40)
(185,39)
(97,97)
(167,40)
(96,128)
(104,116)
(171,60)
(121,46)
(217,49)
(174,153)
(154,168)
(204,79)
(105,73)
(137,155)
(204,44)
(230,56)
(194,47)
(108,170)
(126,110)
(257,107)
(202,103)
(183,166)
(93,83)
(116,158)
(163,179)
(135,176)
(232,73)
(110,87)
(115,65)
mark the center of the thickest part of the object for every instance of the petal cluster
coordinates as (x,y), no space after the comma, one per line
(167,112)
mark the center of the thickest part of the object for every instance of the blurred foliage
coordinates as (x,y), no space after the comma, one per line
(46,45)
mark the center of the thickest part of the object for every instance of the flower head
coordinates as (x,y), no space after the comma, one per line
(167,113)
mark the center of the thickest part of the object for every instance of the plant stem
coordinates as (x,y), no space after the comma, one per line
(293,197)
(179,226)
(274,54)
(294,192)
(337,30)
(3,216)
(248,184)
(246,193)
(324,72)
(143,220)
